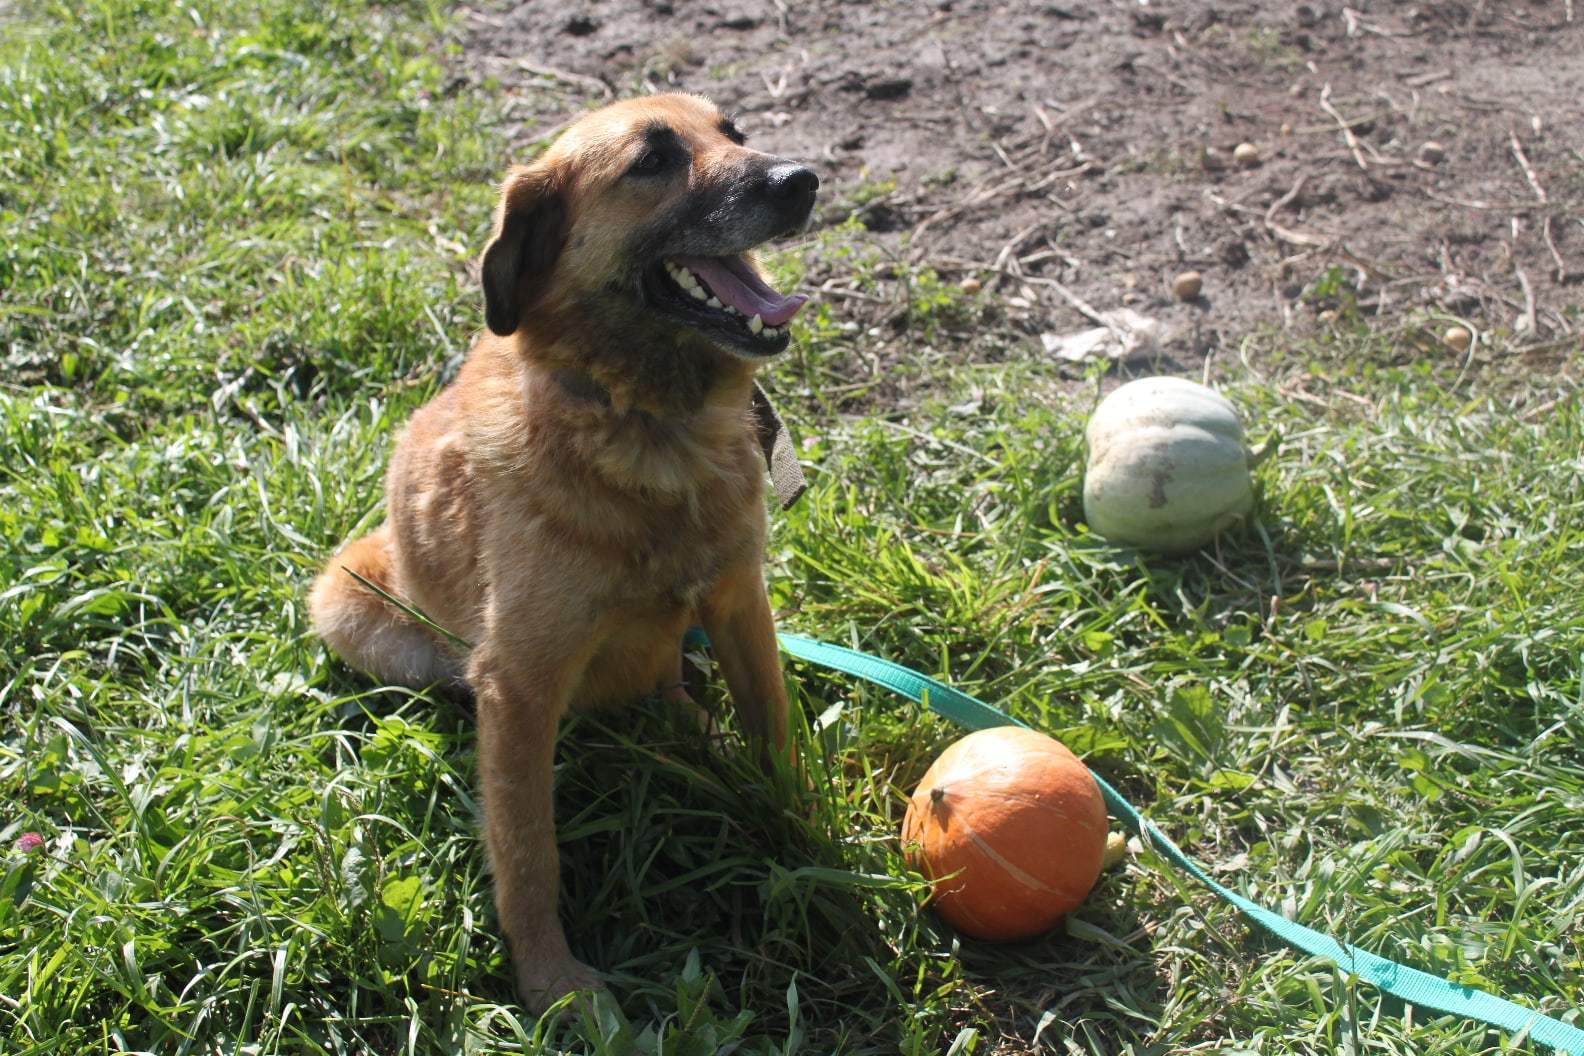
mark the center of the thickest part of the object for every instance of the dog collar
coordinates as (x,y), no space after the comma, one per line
(775,440)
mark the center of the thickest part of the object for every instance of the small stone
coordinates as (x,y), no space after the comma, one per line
(1247,155)
(1431,152)
(1286,128)
(970,285)
(1457,338)
(1186,286)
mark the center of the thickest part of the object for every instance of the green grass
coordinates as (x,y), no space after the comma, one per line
(233,263)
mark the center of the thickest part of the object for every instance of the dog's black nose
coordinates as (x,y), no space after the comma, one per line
(792,187)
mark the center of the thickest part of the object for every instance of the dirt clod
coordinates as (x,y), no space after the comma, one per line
(889,88)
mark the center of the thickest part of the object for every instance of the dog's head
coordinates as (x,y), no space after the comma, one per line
(640,218)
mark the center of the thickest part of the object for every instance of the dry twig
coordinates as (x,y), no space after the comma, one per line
(999,185)
(1012,246)
(1084,307)
(1526,322)
(1330,126)
(1287,234)
(1561,266)
(1506,207)
(592,84)
(1539,409)
(1347,131)
(1528,170)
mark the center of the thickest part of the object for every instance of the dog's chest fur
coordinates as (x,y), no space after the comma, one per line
(672,537)
(675,565)
(644,509)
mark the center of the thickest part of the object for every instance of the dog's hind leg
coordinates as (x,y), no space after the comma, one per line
(370,633)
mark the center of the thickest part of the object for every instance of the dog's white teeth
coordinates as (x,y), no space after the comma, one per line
(732,310)
(684,278)
(697,291)
(755,324)
(770,331)
(713,302)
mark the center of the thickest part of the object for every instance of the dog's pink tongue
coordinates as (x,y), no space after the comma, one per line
(735,282)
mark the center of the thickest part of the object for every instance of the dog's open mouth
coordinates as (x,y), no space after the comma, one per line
(725,297)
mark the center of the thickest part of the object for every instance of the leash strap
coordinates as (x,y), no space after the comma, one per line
(1409,984)
(786,476)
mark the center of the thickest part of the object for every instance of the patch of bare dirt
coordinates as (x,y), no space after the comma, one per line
(1075,157)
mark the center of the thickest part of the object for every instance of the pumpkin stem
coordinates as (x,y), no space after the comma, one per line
(937,794)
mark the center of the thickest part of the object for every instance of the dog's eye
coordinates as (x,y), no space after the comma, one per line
(651,162)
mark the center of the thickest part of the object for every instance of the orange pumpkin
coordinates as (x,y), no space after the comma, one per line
(1011,827)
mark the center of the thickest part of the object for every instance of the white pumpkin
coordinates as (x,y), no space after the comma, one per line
(1168,469)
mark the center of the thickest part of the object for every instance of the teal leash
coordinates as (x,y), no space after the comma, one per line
(1409,984)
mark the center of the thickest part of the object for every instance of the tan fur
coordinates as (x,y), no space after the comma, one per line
(572,541)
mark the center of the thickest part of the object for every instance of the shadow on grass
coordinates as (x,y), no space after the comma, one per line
(679,848)
(746,905)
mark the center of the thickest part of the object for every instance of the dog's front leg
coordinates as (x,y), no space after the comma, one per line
(522,691)
(736,616)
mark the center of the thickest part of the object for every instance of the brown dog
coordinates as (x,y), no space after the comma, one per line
(591,485)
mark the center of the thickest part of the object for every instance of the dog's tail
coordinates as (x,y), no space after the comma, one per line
(368,631)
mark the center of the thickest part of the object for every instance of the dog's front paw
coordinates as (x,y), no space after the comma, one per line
(541,983)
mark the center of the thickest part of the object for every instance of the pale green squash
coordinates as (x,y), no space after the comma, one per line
(1168,469)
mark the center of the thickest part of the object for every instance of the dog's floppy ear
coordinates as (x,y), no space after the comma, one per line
(530,227)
